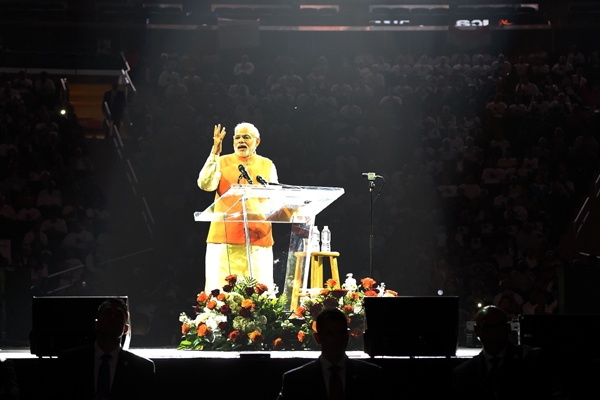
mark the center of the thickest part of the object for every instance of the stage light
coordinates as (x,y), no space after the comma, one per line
(479,305)
(440,292)
(63,111)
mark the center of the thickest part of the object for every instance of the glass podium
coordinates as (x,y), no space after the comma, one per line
(242,207)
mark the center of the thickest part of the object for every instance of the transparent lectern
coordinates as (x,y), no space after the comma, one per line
(295,205)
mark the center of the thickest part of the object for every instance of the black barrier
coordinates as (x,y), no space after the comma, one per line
(411,326)
(65,322)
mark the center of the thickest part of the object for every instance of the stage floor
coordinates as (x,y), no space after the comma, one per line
(171,353)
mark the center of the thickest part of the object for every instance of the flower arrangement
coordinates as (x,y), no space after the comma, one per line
(349,299)
(245,315)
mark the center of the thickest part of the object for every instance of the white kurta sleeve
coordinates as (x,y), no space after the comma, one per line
(210,175)
(274,178)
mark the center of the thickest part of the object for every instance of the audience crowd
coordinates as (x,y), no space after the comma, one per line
(486,158)
(52,213)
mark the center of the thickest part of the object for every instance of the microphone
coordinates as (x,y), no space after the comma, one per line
(262,180)
(371,176)
(245,174)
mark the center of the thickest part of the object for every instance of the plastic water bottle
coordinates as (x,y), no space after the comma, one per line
(315,238)
(326,239)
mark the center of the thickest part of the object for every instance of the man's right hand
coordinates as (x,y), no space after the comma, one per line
(218,135)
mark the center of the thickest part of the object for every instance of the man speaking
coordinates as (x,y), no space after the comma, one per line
(226,243)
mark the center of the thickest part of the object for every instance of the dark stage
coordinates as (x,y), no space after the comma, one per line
(208,372)
(258,374)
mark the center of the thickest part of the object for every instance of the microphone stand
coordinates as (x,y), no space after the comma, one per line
(371,176)
(371,187)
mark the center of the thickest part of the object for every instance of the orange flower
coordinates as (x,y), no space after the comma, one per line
(348,309)
(356,332)
(231,279)
(392,293)
(278,344)
(221,297)
(185,328)
(260,288)
(300,311)
(301,336)
(371,293)
(234,336)
(211,304)
(354,296)
(368,282)
(314,326)
(202,297)
(256,337)
(247,303)
(324,292)
(331,283)
(203,330)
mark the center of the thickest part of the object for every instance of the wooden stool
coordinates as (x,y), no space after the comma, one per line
(316,272)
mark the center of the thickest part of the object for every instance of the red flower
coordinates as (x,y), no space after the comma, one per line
(356,333)
(231,279)
(339,293)
(245,312)
(278,344)
(301,336)
(234,336)
(300,312)
(222,325)
(249,291)
(331,283)
(368,282)
(330,302)
(354,296)
(371,293)
(211,304)
(260,288)
(185,328)
(203,330)
(315,309)
(225,309)
(202,297)
(215,292)
(348,309)
(256,337)
(227,288)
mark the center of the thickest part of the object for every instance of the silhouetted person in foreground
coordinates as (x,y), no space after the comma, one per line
(503,370)
(104,370)
(9,389)
(333,376)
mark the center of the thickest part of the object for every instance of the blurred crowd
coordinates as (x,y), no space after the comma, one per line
(486,158)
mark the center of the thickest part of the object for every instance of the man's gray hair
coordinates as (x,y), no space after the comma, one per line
(250,127)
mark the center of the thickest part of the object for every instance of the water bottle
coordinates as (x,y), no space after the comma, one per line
(326,239)
(314,239)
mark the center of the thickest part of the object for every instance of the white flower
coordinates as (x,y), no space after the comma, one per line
(287,324)
(184,318)
(350,283)
(234,298)
(262,321)
(251,327)
(239,323)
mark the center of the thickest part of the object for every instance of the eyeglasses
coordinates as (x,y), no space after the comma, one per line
(245,137)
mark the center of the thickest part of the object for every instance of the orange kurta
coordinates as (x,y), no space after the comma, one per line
(233,232)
